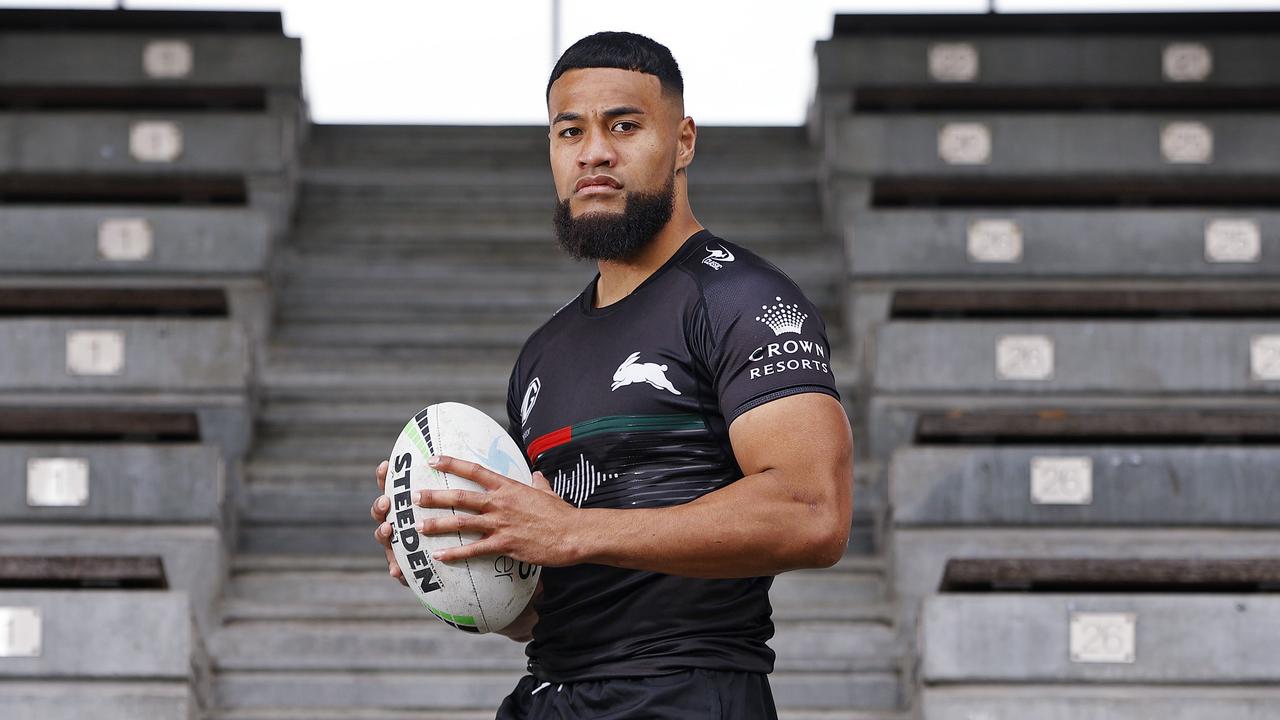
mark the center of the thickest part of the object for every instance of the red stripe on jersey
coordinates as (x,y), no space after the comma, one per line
(548,441)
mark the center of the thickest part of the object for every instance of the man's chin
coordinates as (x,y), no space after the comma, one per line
(615,204)
(598,215)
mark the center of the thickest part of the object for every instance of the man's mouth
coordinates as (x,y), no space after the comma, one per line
(597,185)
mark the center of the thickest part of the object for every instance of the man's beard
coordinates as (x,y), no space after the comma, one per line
(601,235)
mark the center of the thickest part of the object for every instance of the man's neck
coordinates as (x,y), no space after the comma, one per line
(619,279)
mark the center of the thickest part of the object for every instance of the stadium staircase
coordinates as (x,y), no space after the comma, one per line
(420,259)
(1044,246)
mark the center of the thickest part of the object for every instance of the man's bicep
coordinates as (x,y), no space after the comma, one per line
(805,437)
(800,449)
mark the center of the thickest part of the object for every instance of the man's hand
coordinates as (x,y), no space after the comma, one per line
(529,524)
(381,505)
(520,629)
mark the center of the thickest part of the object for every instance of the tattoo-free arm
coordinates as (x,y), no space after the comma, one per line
(792,509)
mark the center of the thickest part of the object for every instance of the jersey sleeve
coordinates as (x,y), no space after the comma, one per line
(762,339)
(514,421)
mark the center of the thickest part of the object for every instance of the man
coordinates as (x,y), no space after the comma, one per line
(680,415)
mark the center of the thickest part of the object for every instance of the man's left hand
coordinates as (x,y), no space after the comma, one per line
(528,523)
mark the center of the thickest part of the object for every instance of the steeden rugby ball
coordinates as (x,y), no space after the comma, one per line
(479,595)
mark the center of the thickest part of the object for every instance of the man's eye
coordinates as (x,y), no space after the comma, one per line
(562,132)
(625,122)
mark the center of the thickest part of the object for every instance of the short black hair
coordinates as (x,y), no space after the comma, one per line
(622,50)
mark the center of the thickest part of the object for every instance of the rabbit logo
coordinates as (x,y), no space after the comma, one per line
(631,371)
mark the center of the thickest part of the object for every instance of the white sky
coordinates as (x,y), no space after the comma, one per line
(487,61)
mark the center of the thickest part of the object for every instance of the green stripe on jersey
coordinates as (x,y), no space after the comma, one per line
(619,423)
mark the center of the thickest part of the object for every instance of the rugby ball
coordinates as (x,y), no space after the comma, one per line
(477,595)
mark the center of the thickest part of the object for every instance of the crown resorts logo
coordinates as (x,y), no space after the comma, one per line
(783,318)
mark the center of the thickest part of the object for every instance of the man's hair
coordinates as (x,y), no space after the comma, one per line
(625,51)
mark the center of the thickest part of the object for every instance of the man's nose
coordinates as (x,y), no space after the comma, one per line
(596,149)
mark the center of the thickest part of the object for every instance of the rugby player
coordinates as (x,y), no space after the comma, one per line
(681,418)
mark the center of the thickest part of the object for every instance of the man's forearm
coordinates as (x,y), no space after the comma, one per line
(758,525)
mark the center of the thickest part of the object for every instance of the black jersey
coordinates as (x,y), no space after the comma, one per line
(628,406)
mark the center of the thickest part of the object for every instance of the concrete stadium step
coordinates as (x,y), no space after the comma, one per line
(331,380)
(458,233)
(350,589)
(339,524)
(125,482)
(489,273)
(1130,485)
(194,556)
(765,166)
(241,143)
(330,469)
(355,538)
(44,699)
(363,690)
(315,409)
(1139,357)
(919,555)
(1235,629)
(480,300)
(414,300)
(217,241)
(1139,243)
(276,491)
(456,332)
(331,355)
(388,405)
(1061,144)
(476,333)
(347,443)
(401,145)
(786,159)
(1131,701)
(1043,56)
(430,646)
(522,245)
(465,221)
(438,691)
(477,189)
(176,356)
(135,635)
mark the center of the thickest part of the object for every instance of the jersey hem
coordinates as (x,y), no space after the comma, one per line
(775,395)
(632,669)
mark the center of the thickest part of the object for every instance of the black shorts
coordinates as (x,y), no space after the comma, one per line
(694,693)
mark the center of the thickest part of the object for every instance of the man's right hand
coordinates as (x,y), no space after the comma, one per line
(520,629)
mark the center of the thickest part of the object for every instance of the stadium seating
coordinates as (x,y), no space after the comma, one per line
(1061,300)
(1044,248)
(98,636)
(1081,637)
(146,176)
(1228,244)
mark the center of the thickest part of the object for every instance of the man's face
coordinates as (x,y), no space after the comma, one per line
(613,141)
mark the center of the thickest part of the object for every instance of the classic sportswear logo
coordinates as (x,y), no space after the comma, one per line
(530,397)
(783,318)
(716,256)
(630,372)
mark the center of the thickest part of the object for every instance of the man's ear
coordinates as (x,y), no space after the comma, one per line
(686,139)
